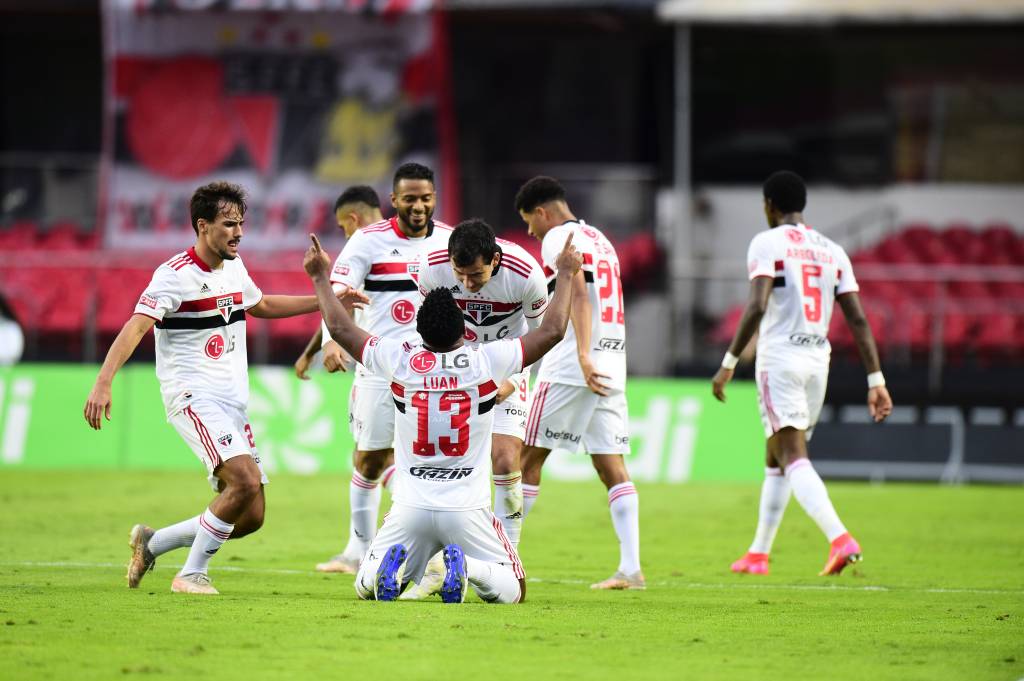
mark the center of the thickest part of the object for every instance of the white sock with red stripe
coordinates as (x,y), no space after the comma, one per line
(174,536)
(213,532)
(508,504)
(493,582)
(624,504)
(364,502)
(774,498)
(811,494)
(387,478)
(530,493)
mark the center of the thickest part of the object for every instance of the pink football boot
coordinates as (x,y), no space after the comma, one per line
(845,550)
(752,564)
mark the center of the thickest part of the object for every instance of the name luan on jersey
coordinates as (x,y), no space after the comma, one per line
(384,262)
(445,404)
(200,329)
(607,319)
(510,304)
(808,271)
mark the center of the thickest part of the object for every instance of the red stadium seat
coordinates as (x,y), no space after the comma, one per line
(997,333)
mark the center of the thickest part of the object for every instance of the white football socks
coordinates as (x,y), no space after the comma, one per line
(624,504)
(174,536)
(364,503)
(508,504)
(493,582)
(213,532)
(530,493)
(774,498)
(811,494)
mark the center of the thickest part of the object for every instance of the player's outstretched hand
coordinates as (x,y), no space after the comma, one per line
(879,403)
(97,405)
(595,381)
(569,258)
(722,376)
(335,358)
(316,261)
(353,299)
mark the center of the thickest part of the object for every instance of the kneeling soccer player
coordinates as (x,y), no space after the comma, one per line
(444,393)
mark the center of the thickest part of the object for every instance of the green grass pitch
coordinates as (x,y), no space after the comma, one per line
(940,594)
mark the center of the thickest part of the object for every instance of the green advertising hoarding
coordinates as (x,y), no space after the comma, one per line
(678,431)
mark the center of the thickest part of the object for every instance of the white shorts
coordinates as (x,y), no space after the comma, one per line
(216,432)
(371,417)
(565,416)
(790,396)
(424,532)
(510,415)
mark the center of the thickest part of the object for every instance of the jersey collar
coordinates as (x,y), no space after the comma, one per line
(191,252)
(403,235)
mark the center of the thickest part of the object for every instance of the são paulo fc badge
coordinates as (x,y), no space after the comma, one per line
(224,439)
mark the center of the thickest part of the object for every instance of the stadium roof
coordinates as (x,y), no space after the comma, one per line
(836,11)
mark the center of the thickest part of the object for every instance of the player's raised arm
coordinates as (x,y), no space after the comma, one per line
(556,319)
(757,303)
(99,402)
(340,324)
(879,401)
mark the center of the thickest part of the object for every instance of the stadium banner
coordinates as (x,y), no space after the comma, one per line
(293,99)
(678,431)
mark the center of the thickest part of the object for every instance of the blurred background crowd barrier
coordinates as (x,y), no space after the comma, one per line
(661,118)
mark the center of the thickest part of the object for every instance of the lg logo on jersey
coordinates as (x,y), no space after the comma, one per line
(217,346)
(795,236)
(403,311)
(423,362)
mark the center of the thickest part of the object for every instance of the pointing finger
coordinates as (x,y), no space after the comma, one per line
(316,243)
(568,242)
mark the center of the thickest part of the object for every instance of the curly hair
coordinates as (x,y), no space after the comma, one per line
(439,320)
(786,190)
(359,193)
(538,191)
(208,201)
(472,239)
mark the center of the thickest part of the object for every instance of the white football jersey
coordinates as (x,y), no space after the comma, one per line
(808,270)
(608,324)
(200,329)
(445,404)
(507,306)
(382,261)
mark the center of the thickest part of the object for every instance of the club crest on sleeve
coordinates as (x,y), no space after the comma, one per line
(374,340)
(147,301)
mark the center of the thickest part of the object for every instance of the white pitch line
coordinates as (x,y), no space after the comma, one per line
(544,580)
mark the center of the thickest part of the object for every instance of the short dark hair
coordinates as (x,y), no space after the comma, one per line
(207,200)
(472,239)
(359,193)
(786,190)
(538,191)
(439,320)
(412,171)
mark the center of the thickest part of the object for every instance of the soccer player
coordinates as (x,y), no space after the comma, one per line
(502,293)
(198,302)
(382,259)
(795,276)
(580,397)
(356,207)
(444,392)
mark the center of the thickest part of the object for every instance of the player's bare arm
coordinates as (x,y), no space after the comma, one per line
(339,322)
(537,342)
(760,292)
(304,360)
(275,306)
(879,401)
(580,313)
(506,389)
(98,403)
